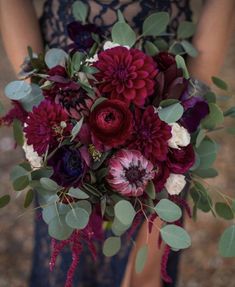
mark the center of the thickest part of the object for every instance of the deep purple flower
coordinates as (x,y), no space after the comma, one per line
(164,60)
(81,35)
(68,166)
(195,109)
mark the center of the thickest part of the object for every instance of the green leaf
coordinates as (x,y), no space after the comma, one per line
(176,49)
(189,48)
(230,112)
(77,193)
(224,210)
(89,70)
(168,102)
(17,90)
(103,204)
(97,102)
(186,29)
(33,99)
(58,228)
(84,204)
(28,198)
(2,110)
(77,218)
(118,228)
(201,197)
(176,237)
(219,83)
(161,44)
(111,246)
(141,258)
(214,118)
(18,132)
(207,152)
(49,184)
(227,242)
(55,57)
(210,97)
(42,172)
(76,129)
(21,183)
(123,34)
(171,114)
(168,210)
(206,173)
(150,190)
(181,65)
(80,11)
(125,212)
(76,61)
(4,200)
(120,16)
(201,135)
(156,24)
(150,48)
(17,172)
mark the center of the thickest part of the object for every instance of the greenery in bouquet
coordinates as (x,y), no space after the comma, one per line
(114,132)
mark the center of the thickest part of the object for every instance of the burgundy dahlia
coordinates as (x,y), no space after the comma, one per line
(126,74)
(129,172)
(81,35)
(68,166)
(181,160)
(150,135)
(111,122)
(43,126)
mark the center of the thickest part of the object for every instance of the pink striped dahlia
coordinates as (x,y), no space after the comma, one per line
(126,74)
(150,135)
(43,126)
(129,172)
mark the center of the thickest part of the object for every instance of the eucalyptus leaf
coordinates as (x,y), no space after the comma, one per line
(89,70)
(214,118)
(55,57)
(207,152)
(58,228)
(49,212)
(201,197)
(201,135)
(224,210)
(219,83)
(181,65)
(125,212)
(175,236)
(33,99)
(206,173)
(49,184)
(118,228)
(77,193)
(18,171)
(4,200)
(21,183)
(161,44)
(111,246)
(210,97)
(18,132)
(186,29)
(28,198)
(141,258)
(84,204)
(168,102)
(156,24)
(76,129)
(120,16)
(150,190)
(42,172)
(17,90)
(230,112)
(227,242)
(77,218)
(123,34)
(172,113)
(150,48)
(189,48)
(168,210)
(80,11)
(176,49)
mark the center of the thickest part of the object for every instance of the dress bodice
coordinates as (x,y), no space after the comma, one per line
(57,14)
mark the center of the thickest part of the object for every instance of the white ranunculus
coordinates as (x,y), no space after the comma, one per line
(110,45)
(180,136)
(32,156)
(175,183)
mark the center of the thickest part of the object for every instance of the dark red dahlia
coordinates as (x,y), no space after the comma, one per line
(180,160)
(43,126)
(126,74)
(111,122)
(150,135)
(161,175)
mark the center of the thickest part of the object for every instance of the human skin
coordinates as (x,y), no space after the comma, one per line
(20,28)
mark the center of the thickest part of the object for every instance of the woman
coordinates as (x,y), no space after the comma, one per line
(19,27)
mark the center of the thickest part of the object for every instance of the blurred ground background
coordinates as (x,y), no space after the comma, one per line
(201,265)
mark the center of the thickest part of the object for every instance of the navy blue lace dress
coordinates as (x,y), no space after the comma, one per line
(105,272)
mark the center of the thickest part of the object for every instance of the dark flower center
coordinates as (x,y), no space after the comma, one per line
(134,174)
(109,117)
(121,73)
(82,37)
(73,165)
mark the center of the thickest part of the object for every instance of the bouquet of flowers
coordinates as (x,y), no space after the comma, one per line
(113,131)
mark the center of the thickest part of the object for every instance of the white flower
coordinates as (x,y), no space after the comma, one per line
(180,136)
(110,45)
(175,183)
(32,156)
(92,59)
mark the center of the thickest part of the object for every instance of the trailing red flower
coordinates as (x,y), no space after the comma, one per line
(150,135)
(43,126)
(162,174)
(111,122)
(17,112)
(126,74)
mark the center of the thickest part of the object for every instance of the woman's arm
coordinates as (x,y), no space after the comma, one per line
(212,38)
(19,29)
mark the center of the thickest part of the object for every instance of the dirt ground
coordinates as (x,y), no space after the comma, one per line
(201,266)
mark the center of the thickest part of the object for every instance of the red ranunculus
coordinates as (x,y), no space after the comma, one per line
(111,122)
(126,74)
(180,160)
